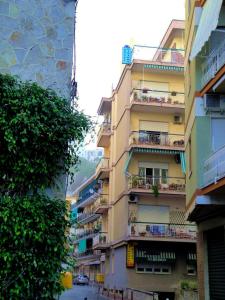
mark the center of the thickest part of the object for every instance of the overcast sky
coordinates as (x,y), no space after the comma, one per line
(103,27)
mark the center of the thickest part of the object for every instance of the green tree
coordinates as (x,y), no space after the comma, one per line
(40,134)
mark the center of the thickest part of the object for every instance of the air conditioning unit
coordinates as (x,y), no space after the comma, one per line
(177,120)
(214,102)
(133,198)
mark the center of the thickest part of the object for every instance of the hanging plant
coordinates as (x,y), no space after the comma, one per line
(155,190)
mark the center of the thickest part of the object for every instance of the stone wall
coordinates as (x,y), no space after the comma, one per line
(37,41)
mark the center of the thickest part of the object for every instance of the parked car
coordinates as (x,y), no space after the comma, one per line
(81,279)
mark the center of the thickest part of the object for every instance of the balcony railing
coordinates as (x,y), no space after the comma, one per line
(101,204)
(156,139)
(85,218)
(91,191)
(104,128)
(162,230)
(81,233)
(214,167)
(169,56)
(155,97)
(213,63)
(88,252)
(103,164)
(161,184)
(100,239)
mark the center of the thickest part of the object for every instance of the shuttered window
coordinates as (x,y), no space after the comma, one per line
(216,262)
(153,126)
(152,213)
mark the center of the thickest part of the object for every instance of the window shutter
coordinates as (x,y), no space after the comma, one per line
(154,126)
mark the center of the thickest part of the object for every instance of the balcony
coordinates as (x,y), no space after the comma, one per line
(213,63)
(89,253)
(157,55)
(103,137)
(162,231)
(155,185)
(102,204)
(89,193)
(149,100)
(157,140)
(85,233)
(100,241)
(85,218)
(103,169)
(214,167)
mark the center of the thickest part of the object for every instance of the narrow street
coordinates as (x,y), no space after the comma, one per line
(79,292)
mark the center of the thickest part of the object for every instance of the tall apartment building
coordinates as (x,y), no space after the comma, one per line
(205,139)
(134,206)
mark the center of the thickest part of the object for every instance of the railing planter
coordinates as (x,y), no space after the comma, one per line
(156,184)
(149,96)
(156,139)
(162,230)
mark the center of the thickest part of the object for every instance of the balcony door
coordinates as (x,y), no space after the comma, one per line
(155,133)
(154,173)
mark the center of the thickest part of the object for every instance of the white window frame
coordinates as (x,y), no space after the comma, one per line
(154,266)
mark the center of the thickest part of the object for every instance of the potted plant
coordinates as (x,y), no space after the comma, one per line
(135,96)
(142,233)
(189,289)
(134,181)
(155,190)
(144,98)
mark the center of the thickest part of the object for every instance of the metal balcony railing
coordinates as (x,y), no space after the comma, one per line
(213,63)
(85,218)
(91,191)
(162,230)
(100,239)
(214,167)
(88,252)
(162,184)
(150,96)
(102,201)
(103,164)
(104,128)
(168,56)
(81,233)
(156,139)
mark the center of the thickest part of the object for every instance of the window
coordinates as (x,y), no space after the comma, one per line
(153,213)
(154,176)
(191,269)
(154,268)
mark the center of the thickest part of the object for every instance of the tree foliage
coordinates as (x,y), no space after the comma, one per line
(37,130)
(39,135)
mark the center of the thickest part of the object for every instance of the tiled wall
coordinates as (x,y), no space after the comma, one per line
(37,41)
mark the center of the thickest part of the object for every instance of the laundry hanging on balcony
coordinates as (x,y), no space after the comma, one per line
(208,23)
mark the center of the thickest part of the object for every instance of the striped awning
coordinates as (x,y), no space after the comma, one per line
(154,150)
(208,23)
(164,67)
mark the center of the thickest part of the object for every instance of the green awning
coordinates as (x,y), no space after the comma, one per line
(163,67)
(152,150)
(183,162)
(208,23)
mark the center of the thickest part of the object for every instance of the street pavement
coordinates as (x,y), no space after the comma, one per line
(80,292)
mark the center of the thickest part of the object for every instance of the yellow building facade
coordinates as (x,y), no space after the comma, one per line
(143,240)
